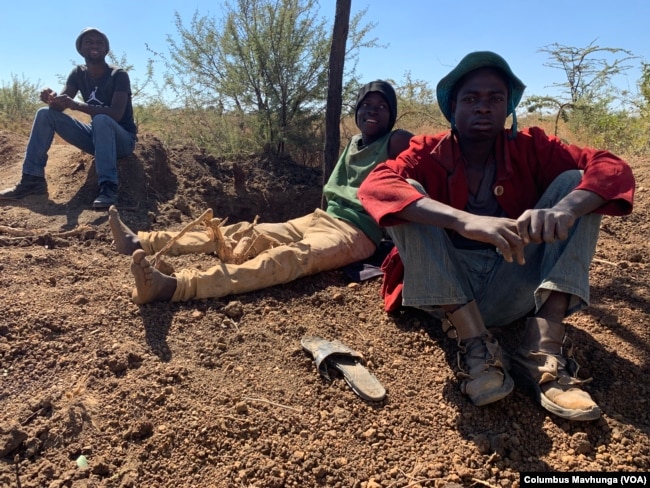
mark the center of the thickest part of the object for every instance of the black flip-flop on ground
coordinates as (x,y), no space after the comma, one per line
(350,363)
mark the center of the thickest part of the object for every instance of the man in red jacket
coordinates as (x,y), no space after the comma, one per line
(493,225)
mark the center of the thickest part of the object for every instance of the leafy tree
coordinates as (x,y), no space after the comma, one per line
(264,62)
(138,85)
(417,105)
(644,90)
(587,75)
(19,99)
(588,70)
(641,124)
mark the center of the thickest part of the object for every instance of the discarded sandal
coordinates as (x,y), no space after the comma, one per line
(338,356)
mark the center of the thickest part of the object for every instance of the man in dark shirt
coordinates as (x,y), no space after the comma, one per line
(106,91)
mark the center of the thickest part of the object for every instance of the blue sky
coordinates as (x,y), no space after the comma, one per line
(425,37)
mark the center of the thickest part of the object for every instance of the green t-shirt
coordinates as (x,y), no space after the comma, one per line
(341,189)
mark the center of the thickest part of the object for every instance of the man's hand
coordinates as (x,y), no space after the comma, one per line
(500,232)
(496,231)
(545,225)
(509,236)
(56,101)
(47,95)
(62,102)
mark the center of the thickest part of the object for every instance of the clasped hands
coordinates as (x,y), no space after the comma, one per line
(510,236)
(57,102)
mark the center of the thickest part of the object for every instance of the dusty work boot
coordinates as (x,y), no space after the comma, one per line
(480,360)
(28,185)
(482,370)
(544,365)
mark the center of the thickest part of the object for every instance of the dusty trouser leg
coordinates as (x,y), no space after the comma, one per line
(201,241)
(327,243)
(511,291)
(47,123)
(190,243)
(435,277)
(564,265)
(480,360)
(111,141)
(544,362)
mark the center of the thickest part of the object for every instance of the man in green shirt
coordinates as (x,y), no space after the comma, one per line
(320,241)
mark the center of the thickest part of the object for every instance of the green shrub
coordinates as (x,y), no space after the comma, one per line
(19,100)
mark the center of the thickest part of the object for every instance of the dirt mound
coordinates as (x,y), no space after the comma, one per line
(98,392)
(166,187)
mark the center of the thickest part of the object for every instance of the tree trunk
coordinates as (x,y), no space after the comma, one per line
(335,88)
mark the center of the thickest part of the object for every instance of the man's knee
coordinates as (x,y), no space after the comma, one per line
(560,187)
(43,112)
(569,179)
(48,114)
(102,121)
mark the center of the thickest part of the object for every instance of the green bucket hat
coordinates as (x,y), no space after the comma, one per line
(86,31)
(471,62)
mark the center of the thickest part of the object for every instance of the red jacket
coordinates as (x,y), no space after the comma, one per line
(526,166)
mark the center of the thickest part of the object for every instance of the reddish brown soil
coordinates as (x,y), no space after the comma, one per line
(218,393)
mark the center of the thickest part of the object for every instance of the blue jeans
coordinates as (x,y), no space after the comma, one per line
(437,273)
(103,137)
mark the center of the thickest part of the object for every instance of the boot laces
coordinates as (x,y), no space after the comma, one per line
(478,354)
(561,367)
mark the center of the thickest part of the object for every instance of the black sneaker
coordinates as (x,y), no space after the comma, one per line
(28,185)
(107,195)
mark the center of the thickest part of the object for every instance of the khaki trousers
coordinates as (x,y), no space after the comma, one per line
(307,245)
